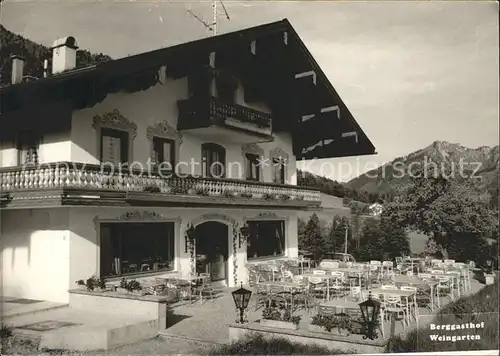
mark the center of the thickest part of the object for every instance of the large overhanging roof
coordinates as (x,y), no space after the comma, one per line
(302,97)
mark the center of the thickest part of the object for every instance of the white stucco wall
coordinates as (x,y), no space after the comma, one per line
(157,104)
(84,250)
(35,254)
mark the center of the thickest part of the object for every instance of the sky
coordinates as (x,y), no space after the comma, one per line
(410,72)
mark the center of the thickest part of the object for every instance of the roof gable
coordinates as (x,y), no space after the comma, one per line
(302,99)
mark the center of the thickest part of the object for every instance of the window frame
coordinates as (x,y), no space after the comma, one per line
(249,169)
(173,253)
(23,148)
(124,137)
(206,150)
(160,161)
(116,121)
(283,223)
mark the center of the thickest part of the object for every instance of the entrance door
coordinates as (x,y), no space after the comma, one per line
(212,250)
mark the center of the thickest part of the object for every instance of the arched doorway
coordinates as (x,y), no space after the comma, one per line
(212,250)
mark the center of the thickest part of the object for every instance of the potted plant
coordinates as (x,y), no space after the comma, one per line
(80,284)
(269,196)
(122,287)
(279,317)
(152,189)
(203,192)
(228,193)
(246,195)
(339,324)
(285,197)
(134,287)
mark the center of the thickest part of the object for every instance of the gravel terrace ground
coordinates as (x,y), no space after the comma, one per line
(195,328)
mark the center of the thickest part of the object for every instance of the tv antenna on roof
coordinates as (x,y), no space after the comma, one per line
(212,27)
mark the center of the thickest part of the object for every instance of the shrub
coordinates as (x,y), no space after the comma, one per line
(257,344)
(477,308)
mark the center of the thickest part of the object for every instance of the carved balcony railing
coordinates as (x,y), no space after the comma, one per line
(77,176)
(203,112)
(223,111)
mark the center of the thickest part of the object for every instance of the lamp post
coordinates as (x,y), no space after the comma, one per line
(190,236)
(245,232)
(370,310)
(241,299)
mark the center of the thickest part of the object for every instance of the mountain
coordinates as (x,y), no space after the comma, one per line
(34,54)
(481,163)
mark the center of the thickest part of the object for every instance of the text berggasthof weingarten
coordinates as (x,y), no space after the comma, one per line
(452,327)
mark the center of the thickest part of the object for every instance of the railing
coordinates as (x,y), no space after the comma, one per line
(223,111)
(85,176)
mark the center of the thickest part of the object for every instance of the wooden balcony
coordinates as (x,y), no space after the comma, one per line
(211,117)
(69,183)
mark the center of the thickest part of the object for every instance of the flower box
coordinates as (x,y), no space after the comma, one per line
(334,331)
(278,324)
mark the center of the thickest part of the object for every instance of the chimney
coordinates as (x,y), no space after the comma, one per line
(17,69)
(64,54)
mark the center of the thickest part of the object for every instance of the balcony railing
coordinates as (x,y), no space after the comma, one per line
(197,112)
(220,110)
(92,177)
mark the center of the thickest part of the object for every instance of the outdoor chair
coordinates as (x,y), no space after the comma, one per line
(412,305)
(318,286)
(388,287)
(287,276)
(375,263)
(336,286)
(354,294)
(449,263)
(437,271)
(204,288)
(319,272)
(261,296)
(436,262)
(423,296)
(425,276)
(455,281)
(444,289)
(393,304)
(301,297)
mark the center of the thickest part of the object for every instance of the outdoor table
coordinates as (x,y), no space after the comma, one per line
(415,282)
(358,271)
(327,277)
(340,304)
(287,286)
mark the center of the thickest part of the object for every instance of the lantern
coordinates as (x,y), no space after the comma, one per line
(241,299)
(244,233)
(190,236)
(370,310)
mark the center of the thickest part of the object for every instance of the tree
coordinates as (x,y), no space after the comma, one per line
(313,240)
(455,214)
(381,240)
(336,234)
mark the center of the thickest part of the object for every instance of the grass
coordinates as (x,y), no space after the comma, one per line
(477,308)
(257,344)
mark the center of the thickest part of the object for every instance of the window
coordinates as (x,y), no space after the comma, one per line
(252,167)
(164,152)
(278,170)
(114,146)
(214,160)
(27,147)
(128,248)
(267,238)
